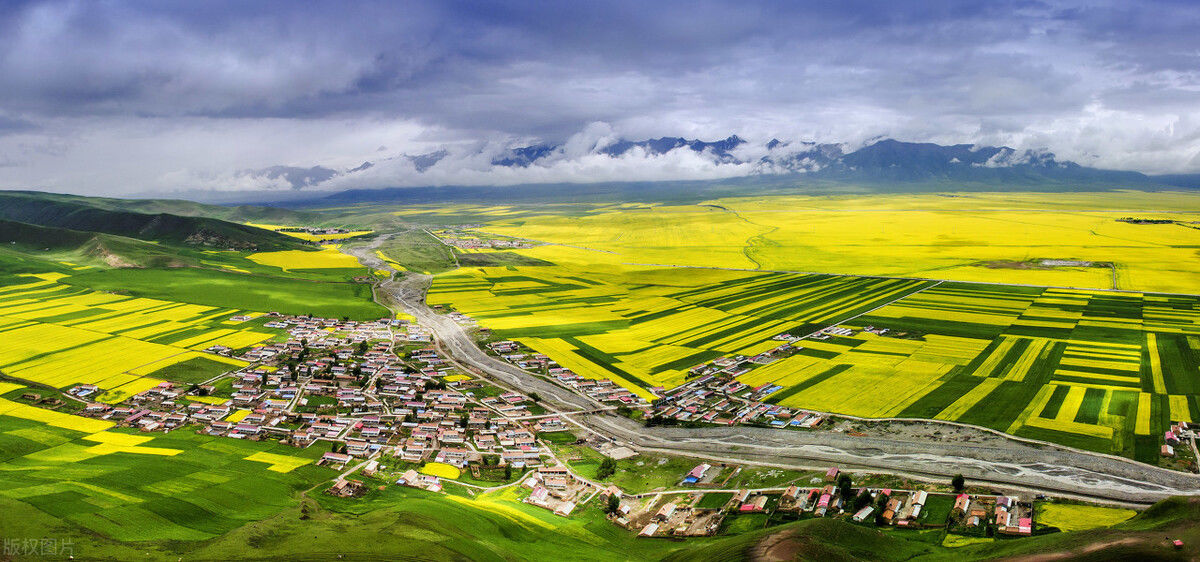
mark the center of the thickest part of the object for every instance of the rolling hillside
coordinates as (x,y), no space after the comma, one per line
(80,214)
(87,247)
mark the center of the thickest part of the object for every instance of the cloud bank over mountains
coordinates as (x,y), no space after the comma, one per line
(123,97)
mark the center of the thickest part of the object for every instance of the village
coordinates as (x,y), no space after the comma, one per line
(465,237)
(384,405)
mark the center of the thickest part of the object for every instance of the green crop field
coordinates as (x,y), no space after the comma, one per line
(1101,371)
(715,500)
(253,292)
(130,487)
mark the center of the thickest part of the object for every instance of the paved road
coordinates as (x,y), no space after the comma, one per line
(1007,463)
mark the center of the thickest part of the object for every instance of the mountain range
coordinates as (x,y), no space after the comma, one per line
(884,161)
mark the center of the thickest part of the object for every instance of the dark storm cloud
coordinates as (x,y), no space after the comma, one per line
(1020,72)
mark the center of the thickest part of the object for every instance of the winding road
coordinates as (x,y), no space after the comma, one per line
(1004,462)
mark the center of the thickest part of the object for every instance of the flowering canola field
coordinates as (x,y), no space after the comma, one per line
(60,336)
(992,237)
(638,294)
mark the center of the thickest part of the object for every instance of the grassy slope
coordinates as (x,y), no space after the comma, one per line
(163,227)
(401,523)
(416,250)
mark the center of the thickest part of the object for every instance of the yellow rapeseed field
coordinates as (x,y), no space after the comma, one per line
(62,338)
(1071,517)
(993,237)
(279,463)
(441,470)
(307,236)
(328,257)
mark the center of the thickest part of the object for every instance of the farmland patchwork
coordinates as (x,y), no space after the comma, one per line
(58,335)
(1097,370)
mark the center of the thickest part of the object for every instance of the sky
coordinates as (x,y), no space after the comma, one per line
(175,96)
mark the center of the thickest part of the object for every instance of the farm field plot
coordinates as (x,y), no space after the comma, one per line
(1101,371)
(328,257)
(1073,517)
(59,335)
(307,236)
(644,328)
(133,487)
(993,237)
(249,292)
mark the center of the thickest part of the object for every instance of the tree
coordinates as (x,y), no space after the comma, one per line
(959,483)
(614,504)
(846,486)
(508,472)
(535,397)
(863,499)
(607,468)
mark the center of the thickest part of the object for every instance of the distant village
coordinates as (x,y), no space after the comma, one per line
(464,238)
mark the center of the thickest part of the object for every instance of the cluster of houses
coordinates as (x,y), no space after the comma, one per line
(676,519)
(557,489)
(474,241)
(1178,432)
(881,507)
(365,388)
(602,390)
(720,400)
(831,332)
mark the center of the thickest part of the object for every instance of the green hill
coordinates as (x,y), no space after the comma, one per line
(111,250)
(80,214)
(182,207)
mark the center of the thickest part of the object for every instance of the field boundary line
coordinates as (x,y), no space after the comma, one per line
(864,276)
(866,312)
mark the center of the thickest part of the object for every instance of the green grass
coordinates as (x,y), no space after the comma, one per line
(645,473)
(581,458)
(559,437)
(315,402)
(937,509)
(207,489)
(403,523)
(715,500)
(496,259)
(419,251)
(737,524)
(769,478)
(194,370)
(223,387)
(248,292)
